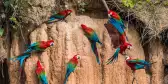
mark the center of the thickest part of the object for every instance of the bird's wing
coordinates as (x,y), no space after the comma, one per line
(33,45)
(137,61)
(43,78)
(117,25)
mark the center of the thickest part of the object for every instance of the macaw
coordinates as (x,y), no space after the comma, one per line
(21,59)
(39,46)
(118,24)
(117,19)
(121,50)
(93,38)
(59,16)
(136,64)
(71,66)
(41,73)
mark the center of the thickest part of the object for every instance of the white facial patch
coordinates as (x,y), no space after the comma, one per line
(52,43)
(127,57)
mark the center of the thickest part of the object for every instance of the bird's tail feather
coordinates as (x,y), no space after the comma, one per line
(148,69)
(114,57)
(94,48)
(100,42)
(66,77)
(21,59)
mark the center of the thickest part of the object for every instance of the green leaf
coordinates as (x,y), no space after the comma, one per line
(13,19)
(1,31)
(6,4)
(148,1)
(128,3)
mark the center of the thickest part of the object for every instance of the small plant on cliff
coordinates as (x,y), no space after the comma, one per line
(11,12)
(81,6)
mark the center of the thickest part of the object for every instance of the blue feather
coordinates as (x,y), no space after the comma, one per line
(44,79)
(117,25)
(139,66)
(68,71)
(114,57)
(94,48)
(21,59)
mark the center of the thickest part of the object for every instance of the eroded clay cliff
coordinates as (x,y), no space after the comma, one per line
(70,40)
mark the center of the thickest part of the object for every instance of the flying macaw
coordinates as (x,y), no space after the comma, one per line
(39,46)
(71,66)
(21,59)
(41,73)
(93,38)
(136,64)
(36,46)
(121,50)
(59,16)
(118,24)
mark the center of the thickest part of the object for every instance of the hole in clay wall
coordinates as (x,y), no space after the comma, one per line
(114,35)
(4,76)
(165,70)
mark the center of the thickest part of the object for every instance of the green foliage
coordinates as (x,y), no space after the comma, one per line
(1,31)
(81,7)
(15,24)
(165,3)
(132,3)
(11,11)
(129,3)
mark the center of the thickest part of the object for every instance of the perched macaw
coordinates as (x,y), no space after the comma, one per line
(118,24)
(59,16)
(21,59)
(41,73)
(93,38)
(39,46)
(117,19)
(71,66)
(136,64)
(121,50)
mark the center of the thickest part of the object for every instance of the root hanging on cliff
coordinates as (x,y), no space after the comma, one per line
(134,78)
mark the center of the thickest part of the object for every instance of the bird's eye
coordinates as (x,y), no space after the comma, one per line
(78,56)
(51,44)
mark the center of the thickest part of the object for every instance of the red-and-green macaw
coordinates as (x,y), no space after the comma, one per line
(59,16)
(71,66)
(121,50)
(136,64)
(93,38)
(39,46)
(41,73)
(36,46)
(118,24)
